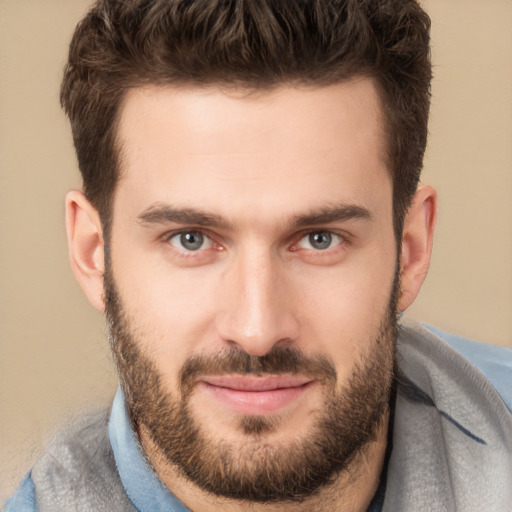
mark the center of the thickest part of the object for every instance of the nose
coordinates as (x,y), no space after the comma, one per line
(258,311)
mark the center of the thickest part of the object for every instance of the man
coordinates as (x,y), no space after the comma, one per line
(252,226)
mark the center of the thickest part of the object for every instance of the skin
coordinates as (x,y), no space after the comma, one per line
(262,164)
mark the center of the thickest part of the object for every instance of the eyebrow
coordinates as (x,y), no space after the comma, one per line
(327,215)
(162,213)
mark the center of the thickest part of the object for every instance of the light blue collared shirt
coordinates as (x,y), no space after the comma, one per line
(144,489)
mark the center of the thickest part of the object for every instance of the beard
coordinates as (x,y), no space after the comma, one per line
(256,469)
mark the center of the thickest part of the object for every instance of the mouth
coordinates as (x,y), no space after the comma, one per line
(252,395)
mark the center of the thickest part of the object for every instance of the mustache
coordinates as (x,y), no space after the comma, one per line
(277,362)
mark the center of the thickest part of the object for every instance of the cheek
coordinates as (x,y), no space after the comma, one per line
(170,311)
(343,309)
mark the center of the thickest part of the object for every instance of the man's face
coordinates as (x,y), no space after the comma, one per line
(251,281)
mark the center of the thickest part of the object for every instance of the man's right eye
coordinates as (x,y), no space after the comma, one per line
(190,241)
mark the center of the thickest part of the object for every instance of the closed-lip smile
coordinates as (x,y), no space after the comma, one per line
(256,395)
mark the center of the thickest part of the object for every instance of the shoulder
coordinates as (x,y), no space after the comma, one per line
(76,471)
(452,428)
(493,361)
(458,356)
(78,445)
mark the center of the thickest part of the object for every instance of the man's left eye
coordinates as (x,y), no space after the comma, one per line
(191,241)
(320,240)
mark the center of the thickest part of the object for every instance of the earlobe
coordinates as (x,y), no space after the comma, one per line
(86,246)
(417,241)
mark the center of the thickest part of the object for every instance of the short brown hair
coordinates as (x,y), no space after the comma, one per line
(122,44)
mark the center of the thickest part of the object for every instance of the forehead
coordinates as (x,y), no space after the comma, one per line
(210,145)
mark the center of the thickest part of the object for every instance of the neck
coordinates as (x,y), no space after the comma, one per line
(352,490)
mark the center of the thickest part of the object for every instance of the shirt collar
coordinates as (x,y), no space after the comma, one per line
(144,489)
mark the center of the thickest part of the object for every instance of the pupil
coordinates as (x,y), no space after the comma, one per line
(192,241)
(320,240)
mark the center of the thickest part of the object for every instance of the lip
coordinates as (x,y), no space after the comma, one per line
(256,395)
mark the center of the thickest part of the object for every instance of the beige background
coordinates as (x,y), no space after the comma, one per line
(53,355)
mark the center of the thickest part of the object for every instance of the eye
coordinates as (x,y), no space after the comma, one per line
(320,240)
(191,241)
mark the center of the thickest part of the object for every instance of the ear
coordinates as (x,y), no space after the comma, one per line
(417,240)
(86,246)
